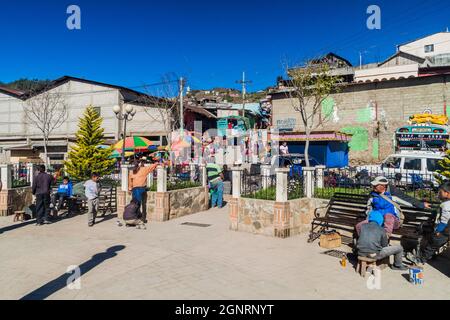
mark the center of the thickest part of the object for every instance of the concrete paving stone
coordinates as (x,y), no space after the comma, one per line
(171,261)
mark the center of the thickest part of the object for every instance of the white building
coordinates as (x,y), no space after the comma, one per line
(20,141)
(429,52)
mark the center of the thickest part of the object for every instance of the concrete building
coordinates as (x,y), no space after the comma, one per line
(378,101)
(20,141)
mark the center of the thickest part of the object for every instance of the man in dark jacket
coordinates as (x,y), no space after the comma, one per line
(41,189)
(373,242)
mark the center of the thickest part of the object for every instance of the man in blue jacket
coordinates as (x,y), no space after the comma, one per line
(64,193)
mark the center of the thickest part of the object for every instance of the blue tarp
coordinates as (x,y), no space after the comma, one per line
(332,154)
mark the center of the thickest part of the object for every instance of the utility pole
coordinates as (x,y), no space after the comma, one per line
(181,105)
(244,91)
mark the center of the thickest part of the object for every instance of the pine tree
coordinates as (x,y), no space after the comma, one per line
(86,157)
(444,165)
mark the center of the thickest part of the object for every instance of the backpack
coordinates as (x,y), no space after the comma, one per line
(31,211)
(132,211)
(79,190)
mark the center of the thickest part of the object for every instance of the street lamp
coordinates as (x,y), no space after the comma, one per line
(128,115)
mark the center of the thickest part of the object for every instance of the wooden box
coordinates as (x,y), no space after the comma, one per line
(330,240)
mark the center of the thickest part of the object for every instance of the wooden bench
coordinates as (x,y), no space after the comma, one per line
(345,211)
(107,199)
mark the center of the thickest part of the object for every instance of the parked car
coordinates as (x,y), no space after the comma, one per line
(409,168)
(295,162)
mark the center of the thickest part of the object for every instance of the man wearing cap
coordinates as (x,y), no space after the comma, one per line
(373,242)
(382,200)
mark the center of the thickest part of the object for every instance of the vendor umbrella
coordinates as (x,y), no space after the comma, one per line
(133,144)
(116,154)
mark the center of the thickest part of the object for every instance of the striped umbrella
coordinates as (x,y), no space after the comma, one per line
(133,144)
(116,154)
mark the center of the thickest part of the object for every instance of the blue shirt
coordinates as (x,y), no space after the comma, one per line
(66,189)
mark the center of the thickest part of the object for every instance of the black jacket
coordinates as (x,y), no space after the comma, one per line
(42,184)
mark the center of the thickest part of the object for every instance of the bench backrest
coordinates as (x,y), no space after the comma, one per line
(415,217)
(348,206)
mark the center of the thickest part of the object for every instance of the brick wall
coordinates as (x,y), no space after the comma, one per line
(397,100)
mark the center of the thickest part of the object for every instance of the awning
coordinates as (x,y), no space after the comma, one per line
(316,136)
(201,111)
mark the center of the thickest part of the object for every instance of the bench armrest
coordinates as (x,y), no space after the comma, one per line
(317,214)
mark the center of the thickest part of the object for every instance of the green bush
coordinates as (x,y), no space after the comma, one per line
(179,185)
(264,194)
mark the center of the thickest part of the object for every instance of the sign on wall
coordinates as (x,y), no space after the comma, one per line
(286,124)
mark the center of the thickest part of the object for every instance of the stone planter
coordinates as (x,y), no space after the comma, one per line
(170,205)
(270,218)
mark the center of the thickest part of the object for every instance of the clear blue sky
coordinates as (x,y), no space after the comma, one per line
(210,42)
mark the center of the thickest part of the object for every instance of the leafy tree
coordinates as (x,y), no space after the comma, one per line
(310,85)
(86,157)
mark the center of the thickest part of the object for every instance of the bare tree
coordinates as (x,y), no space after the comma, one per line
(46,110)
(162,105)
(309,86)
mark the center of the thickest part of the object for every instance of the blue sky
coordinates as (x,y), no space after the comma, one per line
(210,43)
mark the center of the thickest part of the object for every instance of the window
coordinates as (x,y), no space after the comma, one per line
(429,48)
(393,163)
(433,165)
(412,164)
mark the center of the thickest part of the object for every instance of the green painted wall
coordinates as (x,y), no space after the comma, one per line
(360,139)
(364,115)
(328,107)
(375,149)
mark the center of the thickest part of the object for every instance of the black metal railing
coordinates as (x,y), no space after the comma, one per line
(358,181)
(256,186)
(296,188)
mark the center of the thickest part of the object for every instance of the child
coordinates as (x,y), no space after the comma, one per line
(92,193)
(65,191)
(441,235)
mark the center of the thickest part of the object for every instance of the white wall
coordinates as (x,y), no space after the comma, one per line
(441,43)
(147,123)
(387,73)
(10,122)
(77,96)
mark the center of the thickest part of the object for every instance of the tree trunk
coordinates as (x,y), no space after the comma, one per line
(46,154)
(308,136)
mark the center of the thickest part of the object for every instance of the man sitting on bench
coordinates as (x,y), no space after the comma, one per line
(373,242)
(440,235)
(382,200)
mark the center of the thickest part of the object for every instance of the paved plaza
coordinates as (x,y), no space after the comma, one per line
(174,261)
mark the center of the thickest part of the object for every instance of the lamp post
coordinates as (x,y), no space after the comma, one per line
(128,115)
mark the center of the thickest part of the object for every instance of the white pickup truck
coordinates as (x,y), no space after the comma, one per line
(406,166)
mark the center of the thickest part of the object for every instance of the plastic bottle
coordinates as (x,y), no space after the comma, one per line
(344,261)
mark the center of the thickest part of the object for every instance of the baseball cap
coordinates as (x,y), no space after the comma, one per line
(380,181)
(377,217)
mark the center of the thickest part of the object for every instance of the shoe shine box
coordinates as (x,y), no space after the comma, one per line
(416,276)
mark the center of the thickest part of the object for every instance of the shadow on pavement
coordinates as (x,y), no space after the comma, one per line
(17,226)
(442,263)
(62,281)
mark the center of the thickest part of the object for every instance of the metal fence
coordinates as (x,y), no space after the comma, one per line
(296,188)
(257,186)
(20,175)
(358,181)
